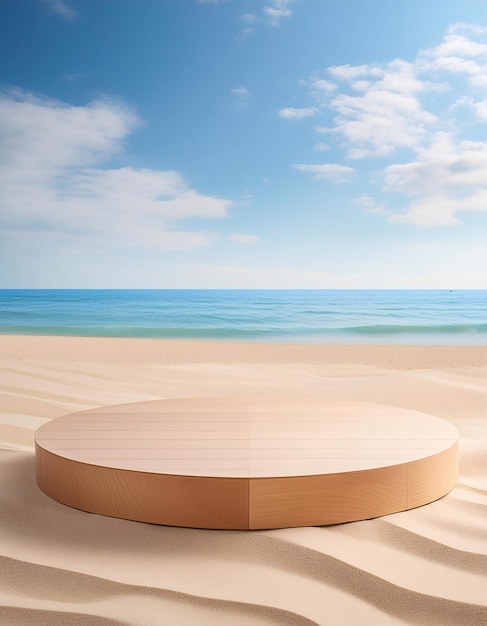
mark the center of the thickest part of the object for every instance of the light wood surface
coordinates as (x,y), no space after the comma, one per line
(246,463)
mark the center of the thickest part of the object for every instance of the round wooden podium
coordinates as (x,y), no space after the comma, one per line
(233,463)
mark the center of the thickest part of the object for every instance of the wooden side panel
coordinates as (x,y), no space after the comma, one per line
(327,499)
(433,477)
(193,502)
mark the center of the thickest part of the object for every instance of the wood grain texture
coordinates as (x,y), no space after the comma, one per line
(193,502)
(327,499)
(246,463)
(432,477)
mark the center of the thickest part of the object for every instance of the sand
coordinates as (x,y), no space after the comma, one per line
(63,566)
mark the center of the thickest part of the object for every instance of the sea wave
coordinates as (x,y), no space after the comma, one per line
(385,329)
(280,332)
(334,316)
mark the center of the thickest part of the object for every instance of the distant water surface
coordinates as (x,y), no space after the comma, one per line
(286,316)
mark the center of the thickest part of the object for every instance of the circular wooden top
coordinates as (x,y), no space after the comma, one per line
(246,438)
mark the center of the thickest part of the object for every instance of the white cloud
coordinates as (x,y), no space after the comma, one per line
(47,134)
(369,205)
(320,147)
(273,13)
(240,91)
(245,33)
(59,7)
(332,171)
(445,179)
(387,114)
(350,73)
(480,110)
(244,238)
(444,165)
(246,197)
(277,11)
(249,18)
(326,86)
(381,108)
(74,77)
(458,54)
(320,89)
(241,97)
(53,180)
(296,114)
(426,110)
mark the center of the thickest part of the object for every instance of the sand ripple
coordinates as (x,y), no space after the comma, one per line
(67,567)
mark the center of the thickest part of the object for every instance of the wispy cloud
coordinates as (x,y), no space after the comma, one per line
(241,96)
(320,89)
(296,114)
(240,91)
(249,18)
(53,179)
(369,205)
(59,7)
(245,33)
(331,171)
(272,14)
(74,77)
(277,10)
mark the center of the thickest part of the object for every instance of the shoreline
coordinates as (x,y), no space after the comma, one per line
(157,351)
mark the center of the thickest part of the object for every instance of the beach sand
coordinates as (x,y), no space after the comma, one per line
(65,567)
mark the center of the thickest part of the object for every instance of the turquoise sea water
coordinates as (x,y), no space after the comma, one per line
(287,316)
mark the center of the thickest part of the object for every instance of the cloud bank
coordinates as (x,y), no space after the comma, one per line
(56,177)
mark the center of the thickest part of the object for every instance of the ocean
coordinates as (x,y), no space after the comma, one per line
(429,317)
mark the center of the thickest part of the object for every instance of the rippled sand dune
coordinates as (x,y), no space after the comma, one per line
(66,567)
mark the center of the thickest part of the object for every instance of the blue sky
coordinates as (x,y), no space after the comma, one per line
(243,144)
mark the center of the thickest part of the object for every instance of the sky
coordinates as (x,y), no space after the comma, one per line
(243,144)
